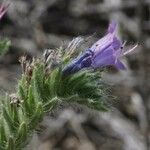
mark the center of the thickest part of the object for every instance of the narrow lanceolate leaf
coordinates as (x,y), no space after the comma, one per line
(37,115)
(22,88)
(51,104)
(54,81)
(15,111)
(37,83)
(83,88)
(69,83)
(31,100)
(3,136)
(4,46)
(23,94)
(22,133)
(9,120)
(10,144)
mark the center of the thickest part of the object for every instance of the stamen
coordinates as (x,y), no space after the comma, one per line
(130,50)
(124,43)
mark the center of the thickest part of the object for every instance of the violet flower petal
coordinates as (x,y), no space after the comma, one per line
(81,62)
(112,27)
(116,44)
(104,59)
(107,40)
(119,65)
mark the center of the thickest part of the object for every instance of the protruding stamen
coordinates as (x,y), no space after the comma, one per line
(130,50)
(124,43)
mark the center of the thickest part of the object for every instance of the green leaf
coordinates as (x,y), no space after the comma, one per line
(22,134)
(10,144)
(51,104)
(15,113)
(37,83)
(54,81)
(31,101)
(9,120)
(4,46)
(69,83)
(37,116)
(22,88)
(3,136)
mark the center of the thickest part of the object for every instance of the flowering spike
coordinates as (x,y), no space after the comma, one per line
(107,51)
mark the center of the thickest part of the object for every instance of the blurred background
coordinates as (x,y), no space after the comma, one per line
(35,25)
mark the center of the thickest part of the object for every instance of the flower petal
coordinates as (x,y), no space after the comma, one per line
(83,61)
(105,58)
(107,40)
(116,43)
(112,27)
(103,43)
(120,65)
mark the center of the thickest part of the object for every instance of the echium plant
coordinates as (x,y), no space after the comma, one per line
(60,76)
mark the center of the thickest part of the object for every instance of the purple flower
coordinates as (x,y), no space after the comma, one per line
(107,51)
(3,9)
